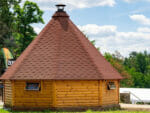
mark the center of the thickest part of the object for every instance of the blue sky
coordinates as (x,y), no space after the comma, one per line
(122,25)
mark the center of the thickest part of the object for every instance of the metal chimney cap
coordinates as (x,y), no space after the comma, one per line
(60,7)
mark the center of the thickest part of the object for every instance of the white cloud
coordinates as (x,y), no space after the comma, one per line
(140,19)
(144,29)
(73,4)
(124,42)
(130,1)
(98,30)
(37,29)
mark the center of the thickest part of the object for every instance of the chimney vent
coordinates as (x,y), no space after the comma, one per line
(60,7)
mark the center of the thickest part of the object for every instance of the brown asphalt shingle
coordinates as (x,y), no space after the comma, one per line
(61,52)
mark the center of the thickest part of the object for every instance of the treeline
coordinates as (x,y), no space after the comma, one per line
(135,69)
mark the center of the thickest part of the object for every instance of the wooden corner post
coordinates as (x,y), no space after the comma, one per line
(54,94)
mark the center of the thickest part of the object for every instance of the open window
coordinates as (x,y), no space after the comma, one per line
(33,86)
(111,86)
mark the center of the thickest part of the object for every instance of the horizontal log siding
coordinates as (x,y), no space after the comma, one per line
(24,98)
(109,97)
(76,93)
(8,93)
(63,93)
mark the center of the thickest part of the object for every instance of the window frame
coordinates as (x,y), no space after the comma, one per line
(111,86)
(39,86)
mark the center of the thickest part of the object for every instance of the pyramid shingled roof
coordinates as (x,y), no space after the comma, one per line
(61,52)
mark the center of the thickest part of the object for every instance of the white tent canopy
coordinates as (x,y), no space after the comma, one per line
(137,94)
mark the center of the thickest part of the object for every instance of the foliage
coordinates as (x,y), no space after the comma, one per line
(135,68)
(138,78)
(138,65)
(137,61)
(94,42)
(2,66)
(117,63)
(25,16)
(16,31)
(6,21)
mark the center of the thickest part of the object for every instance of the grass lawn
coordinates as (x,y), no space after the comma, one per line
(89,111)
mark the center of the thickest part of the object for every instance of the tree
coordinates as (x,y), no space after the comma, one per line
(117,64)
(117,55)
(6,20)
(141,63)
(131,61)
(16,31)
(146,82)
(25,16)
(6,31)
(138,66)
(137,77)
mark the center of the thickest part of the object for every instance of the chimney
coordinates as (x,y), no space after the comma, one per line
(60,7)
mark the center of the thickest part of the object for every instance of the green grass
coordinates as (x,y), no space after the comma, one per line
(118,111)
(3,111)
(89,111)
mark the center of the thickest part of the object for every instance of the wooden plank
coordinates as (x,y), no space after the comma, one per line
(30,100)
(77,93)
(77,97)
(76,87)
(78,101)
(32,96)
(77,104)
(33,104)
(76,90)
(92,95)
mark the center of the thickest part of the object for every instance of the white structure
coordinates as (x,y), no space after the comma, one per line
(137,94)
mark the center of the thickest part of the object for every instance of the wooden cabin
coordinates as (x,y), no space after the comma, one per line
(60,69)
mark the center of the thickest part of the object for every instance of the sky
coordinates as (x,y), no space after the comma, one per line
(115,25)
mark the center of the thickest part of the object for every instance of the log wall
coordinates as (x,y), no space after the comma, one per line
(61,93)
(85,93)
(28,98)
(8,93)
(76,93)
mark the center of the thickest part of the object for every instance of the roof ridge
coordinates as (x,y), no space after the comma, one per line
(95,65)
(58,52)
